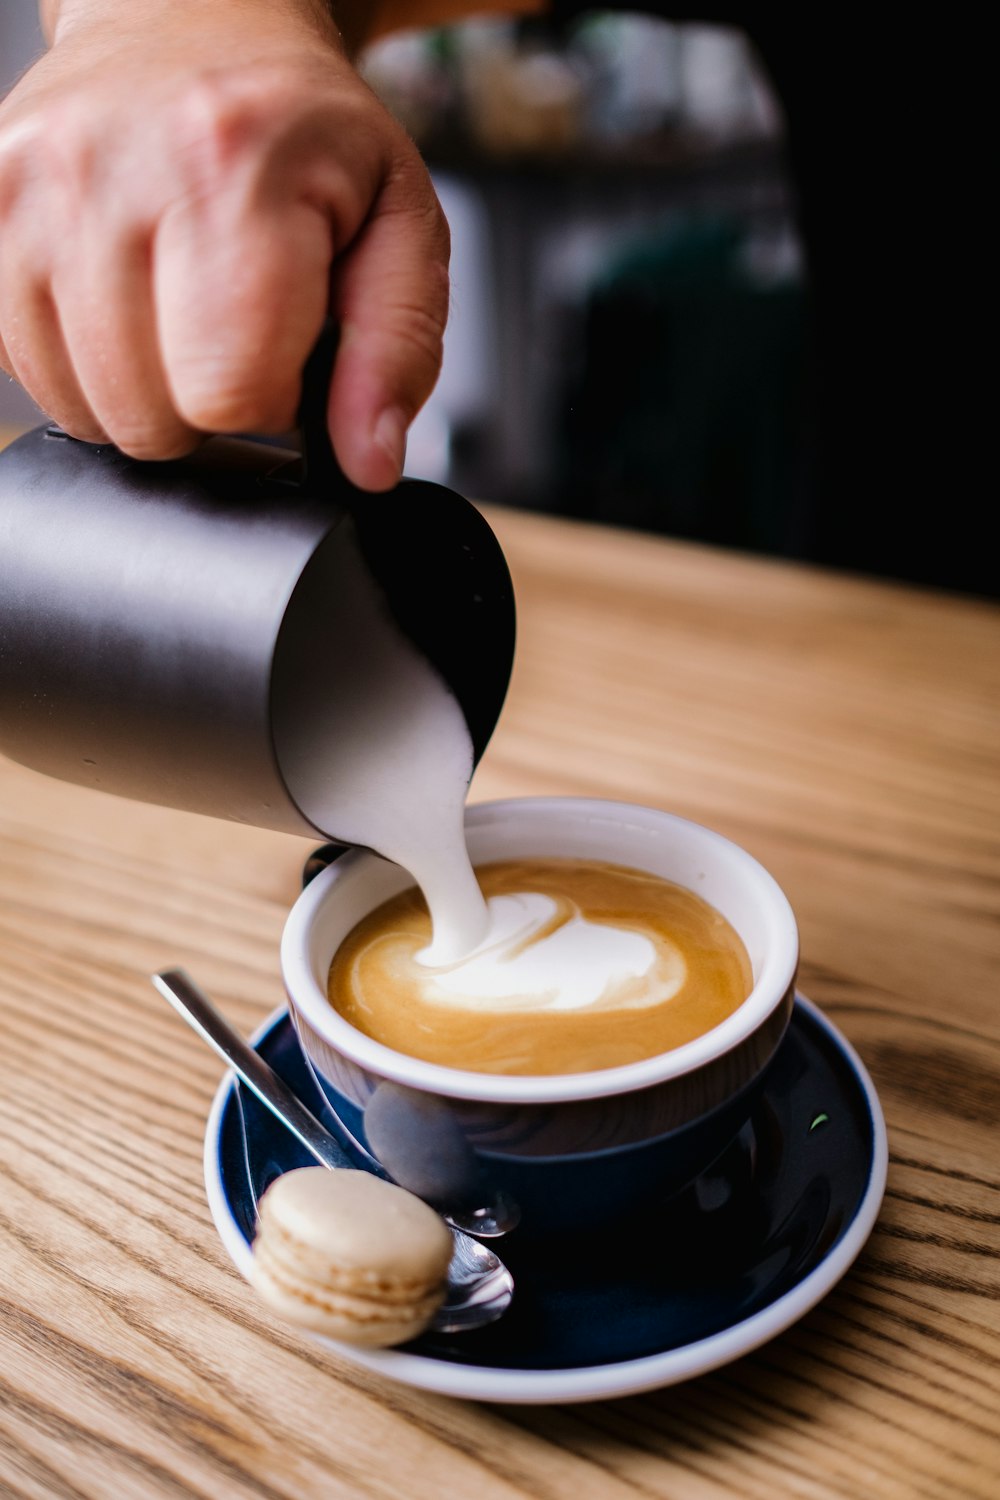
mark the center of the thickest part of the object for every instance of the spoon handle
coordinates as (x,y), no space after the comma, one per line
(199,1012)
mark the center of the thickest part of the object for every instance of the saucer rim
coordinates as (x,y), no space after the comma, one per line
(587,1382)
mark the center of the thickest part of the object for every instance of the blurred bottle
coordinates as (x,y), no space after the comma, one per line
(635,75)
(723,93)
(523,93)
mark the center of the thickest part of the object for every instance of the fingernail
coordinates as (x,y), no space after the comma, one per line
(390,436)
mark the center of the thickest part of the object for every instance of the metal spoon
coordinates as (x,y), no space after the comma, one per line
(480,1286)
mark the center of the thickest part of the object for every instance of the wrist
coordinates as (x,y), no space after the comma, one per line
(61,19)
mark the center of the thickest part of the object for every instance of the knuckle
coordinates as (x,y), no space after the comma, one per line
(152,442)
(439,289)
(217,120)
(419,338)
(226,405)
(21,145)
(68,146)
(412,196)
(222,116)
(11,174)
(438,233)
(420,329)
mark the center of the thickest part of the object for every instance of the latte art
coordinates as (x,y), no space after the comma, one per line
(585,965)
(541,953)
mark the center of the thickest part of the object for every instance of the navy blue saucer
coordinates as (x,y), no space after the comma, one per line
(750,1245)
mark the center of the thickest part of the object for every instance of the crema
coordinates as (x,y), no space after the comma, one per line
(584,965)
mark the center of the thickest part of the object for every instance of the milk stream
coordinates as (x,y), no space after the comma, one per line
(393,777)
(388,758)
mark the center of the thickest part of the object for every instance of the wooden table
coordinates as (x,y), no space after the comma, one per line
(844,731)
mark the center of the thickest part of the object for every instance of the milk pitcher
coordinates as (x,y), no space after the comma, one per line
(189,632)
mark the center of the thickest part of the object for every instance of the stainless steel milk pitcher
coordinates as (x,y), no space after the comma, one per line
(167,629)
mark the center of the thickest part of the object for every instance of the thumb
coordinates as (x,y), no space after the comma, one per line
(390,300)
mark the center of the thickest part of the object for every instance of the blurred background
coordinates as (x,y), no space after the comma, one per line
(630,337)
(20,42)
(626,340)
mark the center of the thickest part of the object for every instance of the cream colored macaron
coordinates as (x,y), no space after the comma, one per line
(348,1255)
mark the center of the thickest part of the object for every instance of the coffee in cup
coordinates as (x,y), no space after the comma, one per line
(586,965)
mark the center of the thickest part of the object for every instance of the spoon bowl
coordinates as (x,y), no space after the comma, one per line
(480,1286)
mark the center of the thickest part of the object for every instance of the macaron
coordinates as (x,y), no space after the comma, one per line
(348,1255)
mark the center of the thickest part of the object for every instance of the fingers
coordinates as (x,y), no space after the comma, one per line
(209,329)
(390,299)
(34,352)
(33,347)
(109,325)
(241,292)
(79,333)
(151,351)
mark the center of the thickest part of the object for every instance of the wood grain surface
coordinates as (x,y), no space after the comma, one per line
(847,733)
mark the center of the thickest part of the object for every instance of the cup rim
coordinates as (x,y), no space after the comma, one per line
(307,997)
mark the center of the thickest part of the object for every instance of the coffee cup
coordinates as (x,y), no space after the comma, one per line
(559,1151)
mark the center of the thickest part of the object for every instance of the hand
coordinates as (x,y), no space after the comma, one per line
(185,191)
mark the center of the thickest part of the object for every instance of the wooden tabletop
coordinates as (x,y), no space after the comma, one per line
(847,733)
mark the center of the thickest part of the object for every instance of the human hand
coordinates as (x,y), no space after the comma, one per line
(185,192)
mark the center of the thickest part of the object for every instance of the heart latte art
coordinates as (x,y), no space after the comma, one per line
(584,965)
